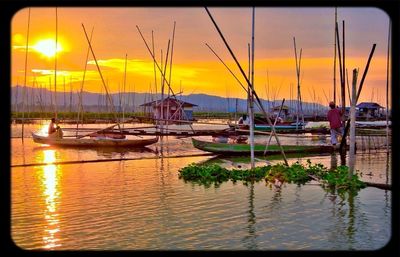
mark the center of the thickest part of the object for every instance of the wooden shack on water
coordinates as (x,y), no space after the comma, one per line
(173,109)
(370,110)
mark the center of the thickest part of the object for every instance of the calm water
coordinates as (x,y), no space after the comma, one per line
(142,204)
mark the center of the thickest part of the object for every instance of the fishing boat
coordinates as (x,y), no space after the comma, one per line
(100,141)
(239,148)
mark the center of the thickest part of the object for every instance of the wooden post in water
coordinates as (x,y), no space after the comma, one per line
(353,124)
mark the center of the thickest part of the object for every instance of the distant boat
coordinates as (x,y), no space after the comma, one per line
(287,127)
(278,127)
(234,148)
(93,142)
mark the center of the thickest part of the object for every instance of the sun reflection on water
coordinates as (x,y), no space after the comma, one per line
(51,193)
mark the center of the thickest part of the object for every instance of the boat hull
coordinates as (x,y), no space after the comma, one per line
(236,149)
(93,142)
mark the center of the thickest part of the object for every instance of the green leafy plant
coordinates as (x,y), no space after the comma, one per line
(335,179)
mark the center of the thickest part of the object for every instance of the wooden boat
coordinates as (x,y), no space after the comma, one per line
(93,142)
(231,148)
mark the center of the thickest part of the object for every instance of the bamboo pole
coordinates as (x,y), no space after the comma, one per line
(170,71)
(154,68)
(230,71)
(70,94)
(342,144)
(123,104)
(344,74)
(353,124)
(55,68)
(387,88)
(299,105)
(251,100)
(276,119)
(339,55)
(334,60)
(162,86)
(65,98)
(102,79)
(249,83)
(25,72)
(158,67)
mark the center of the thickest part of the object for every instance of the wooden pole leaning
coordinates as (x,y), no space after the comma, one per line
(248,82)
(346,130)
(102,79)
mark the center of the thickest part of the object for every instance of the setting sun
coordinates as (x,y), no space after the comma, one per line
(48,47)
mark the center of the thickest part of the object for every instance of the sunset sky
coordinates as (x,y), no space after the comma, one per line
(195,69)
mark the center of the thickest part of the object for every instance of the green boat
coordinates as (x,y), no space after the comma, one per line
(237,149)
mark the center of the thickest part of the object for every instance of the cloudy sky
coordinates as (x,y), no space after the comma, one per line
(195,69)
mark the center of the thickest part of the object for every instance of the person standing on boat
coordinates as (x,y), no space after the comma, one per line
(335,122)
(54,129)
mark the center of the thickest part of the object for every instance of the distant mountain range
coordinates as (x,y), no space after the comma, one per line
(40,99)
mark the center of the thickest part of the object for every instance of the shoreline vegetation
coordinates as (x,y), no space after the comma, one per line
(91,117)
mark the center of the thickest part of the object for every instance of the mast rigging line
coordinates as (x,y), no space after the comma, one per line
(248,82)
(102,79)
(83,81)
(159,68)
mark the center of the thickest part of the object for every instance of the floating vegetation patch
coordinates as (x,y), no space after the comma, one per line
(334,179)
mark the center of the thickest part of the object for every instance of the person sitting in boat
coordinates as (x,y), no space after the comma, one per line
(243,121)
(220,139)
(54,130)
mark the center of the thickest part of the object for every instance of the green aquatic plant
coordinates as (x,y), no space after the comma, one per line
(337,179)
(216,174)
(340,179)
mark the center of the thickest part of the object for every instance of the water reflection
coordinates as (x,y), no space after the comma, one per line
(51,194)
(250,240)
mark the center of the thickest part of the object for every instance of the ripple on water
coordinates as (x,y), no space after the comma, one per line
(144,205)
